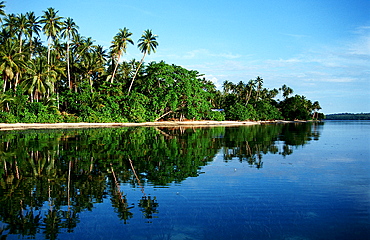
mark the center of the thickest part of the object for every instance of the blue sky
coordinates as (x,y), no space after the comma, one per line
(319,48)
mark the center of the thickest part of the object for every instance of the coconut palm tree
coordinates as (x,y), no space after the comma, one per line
(11,61)
(147,44)
(5,99)
(227,86)
(119,45)
(10,22)
(2,12)
(69,30)
(259,84)
(52,25)
(33,28)
(21,27)
(41,79)
(286,91)
(91,68)
(102,54)
(316,107)
(82,47)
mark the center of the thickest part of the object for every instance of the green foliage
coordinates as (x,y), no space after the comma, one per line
(267,111)
(7,117)
(134,108)
(240,112)
(70,79)
(216,116)
(296,107)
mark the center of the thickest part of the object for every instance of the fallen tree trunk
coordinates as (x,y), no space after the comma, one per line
(163,115)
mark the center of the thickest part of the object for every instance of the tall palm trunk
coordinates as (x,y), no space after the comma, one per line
(68,70)
(115,68)
(137,70)
(49,44)
(17,74)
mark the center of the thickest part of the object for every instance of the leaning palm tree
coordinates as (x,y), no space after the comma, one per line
(52,25)
(147,44)
(119,45)
(69,30)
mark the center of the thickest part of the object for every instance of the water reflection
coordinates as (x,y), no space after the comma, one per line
(49,177)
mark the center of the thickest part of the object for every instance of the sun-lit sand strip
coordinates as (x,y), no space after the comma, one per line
(19,126)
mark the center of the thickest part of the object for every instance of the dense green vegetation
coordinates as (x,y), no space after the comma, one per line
(70,79)
(348,116)
(49,177)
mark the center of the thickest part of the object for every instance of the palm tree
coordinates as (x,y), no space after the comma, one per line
(5,99)
(10,22)
(33,28)
(21,26)
(52,25)
(82,47)
(4,35)
(250,86)
(41,79)
(316,107)
(259,83)
(2,12)
(119,45)
(147,44)
(227,86)
(102,54)
(69,30)
(91,68)
(286,91)
(11,60)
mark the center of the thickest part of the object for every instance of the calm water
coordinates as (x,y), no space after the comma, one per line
(294,181)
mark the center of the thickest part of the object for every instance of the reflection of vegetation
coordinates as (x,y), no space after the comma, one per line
(148,206)
(49,177)
(250,144)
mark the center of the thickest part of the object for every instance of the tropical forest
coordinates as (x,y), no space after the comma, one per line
(68,78)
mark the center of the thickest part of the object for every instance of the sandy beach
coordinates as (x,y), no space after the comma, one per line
(20,126)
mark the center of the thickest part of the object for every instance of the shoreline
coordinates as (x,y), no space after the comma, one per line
(21,126)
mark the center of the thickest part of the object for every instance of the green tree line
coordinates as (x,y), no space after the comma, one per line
(72,79)
(348,116)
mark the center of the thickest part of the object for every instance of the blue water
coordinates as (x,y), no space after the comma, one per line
(320,191)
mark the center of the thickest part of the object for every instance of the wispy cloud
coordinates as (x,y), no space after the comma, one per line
(205,53)
(361,45)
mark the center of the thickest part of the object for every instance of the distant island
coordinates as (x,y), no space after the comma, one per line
(348,116)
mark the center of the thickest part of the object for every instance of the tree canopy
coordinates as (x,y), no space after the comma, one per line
(71,79)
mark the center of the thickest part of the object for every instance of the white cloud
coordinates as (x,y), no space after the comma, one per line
(204,53)
(361,45)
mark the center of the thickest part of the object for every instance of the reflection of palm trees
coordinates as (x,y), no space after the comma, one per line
(120,201)
(52,222)
(148,206)
(137,178)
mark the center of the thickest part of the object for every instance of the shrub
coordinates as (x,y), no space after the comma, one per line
(240,112)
